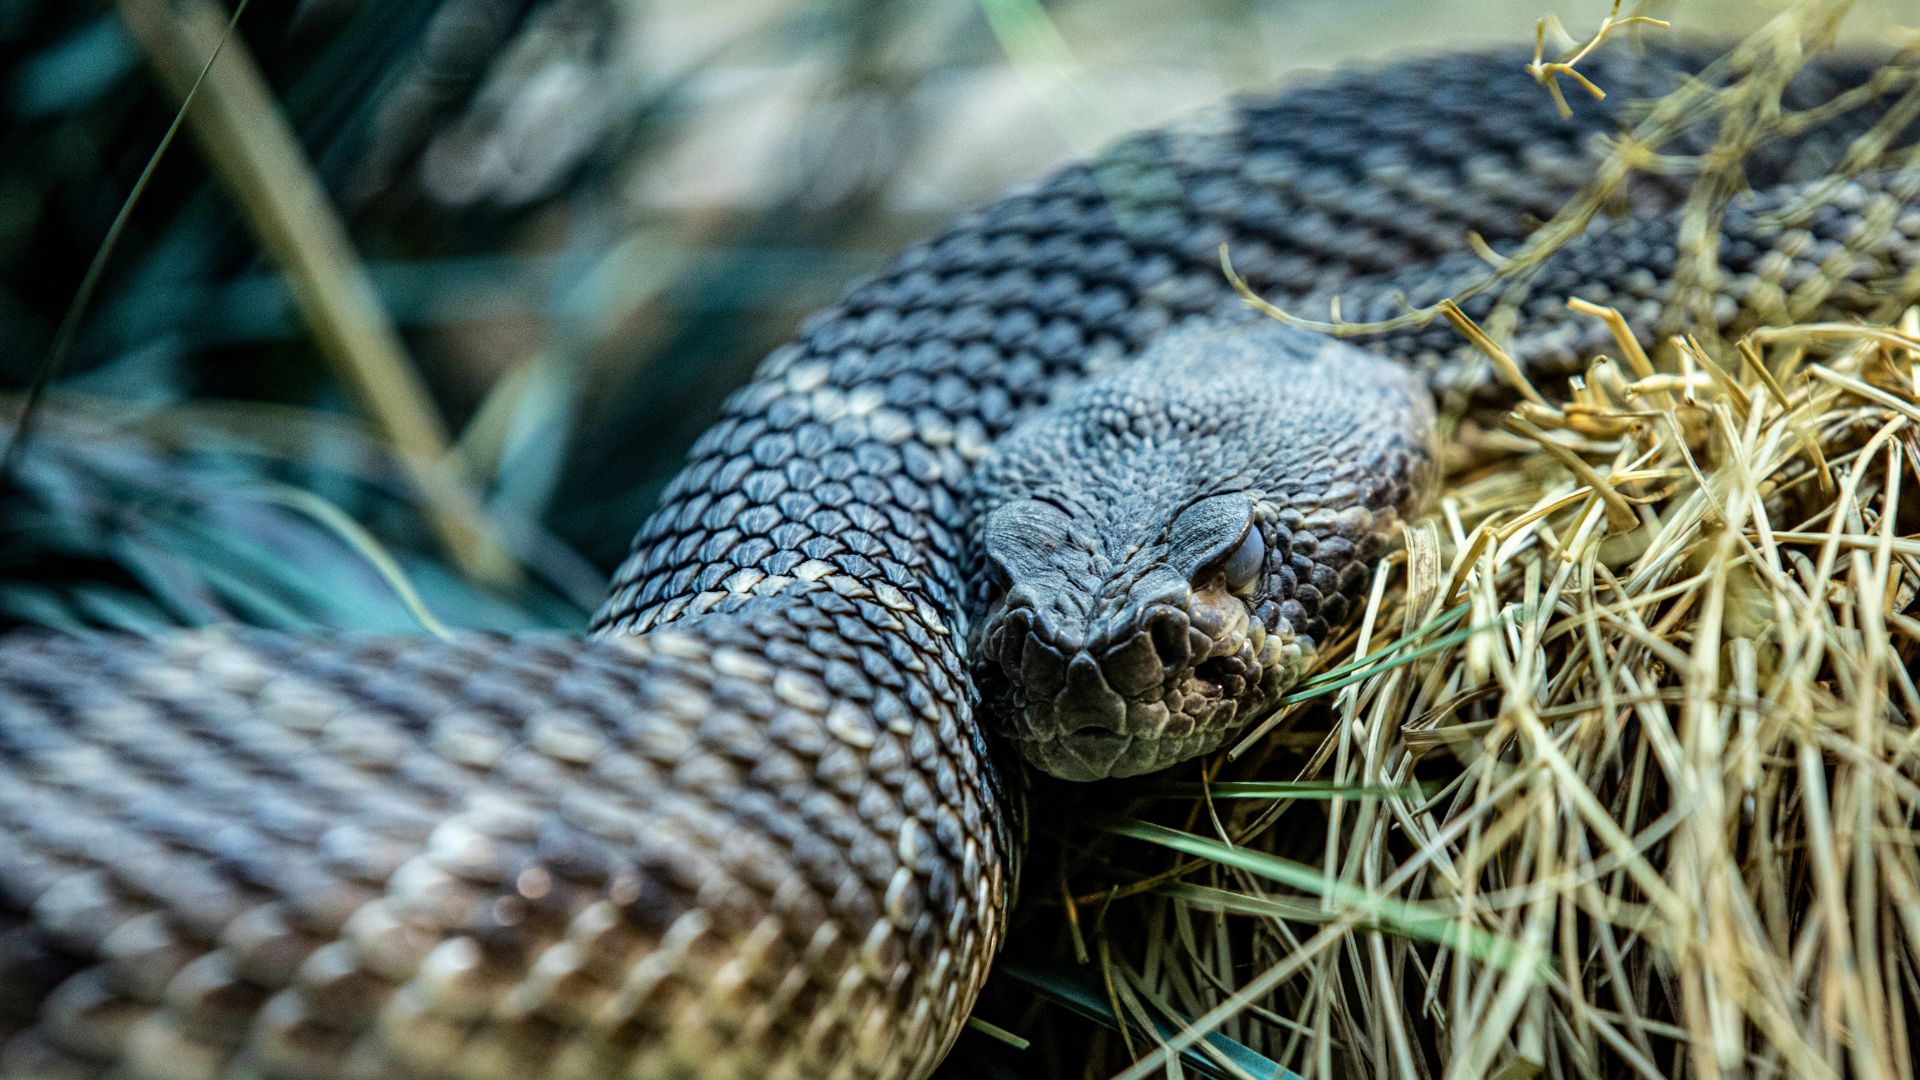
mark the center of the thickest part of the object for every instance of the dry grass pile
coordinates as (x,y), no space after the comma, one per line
(1624,779)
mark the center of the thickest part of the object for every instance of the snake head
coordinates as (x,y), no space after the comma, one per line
(1168,654)
(1160,550)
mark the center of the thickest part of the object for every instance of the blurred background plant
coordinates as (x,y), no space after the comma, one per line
(587,220)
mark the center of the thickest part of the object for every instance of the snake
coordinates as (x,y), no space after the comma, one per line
(1041,496)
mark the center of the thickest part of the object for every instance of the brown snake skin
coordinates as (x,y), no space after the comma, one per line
(750,828)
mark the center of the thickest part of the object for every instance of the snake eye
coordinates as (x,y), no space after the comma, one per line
(1218,535)
(1241,569)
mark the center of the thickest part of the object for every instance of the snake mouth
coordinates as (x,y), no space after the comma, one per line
(1156,697)
(1095,750)
(1092,753)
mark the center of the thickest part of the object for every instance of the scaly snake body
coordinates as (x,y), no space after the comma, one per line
(752,827)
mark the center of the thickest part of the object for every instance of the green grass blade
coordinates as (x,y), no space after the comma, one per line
(1387,913)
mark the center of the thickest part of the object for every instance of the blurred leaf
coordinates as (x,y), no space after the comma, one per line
(74,72)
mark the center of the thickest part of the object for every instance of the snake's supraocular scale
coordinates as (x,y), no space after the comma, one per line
(752,827)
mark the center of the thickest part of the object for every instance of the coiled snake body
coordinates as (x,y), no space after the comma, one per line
(755,826)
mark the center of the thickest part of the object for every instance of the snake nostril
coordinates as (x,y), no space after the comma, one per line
(1168,631)
(1008,635)
(1216,671)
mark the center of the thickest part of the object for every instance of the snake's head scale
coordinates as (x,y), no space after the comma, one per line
(1160,550)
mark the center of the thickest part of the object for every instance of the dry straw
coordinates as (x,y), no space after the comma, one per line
(1621,775)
